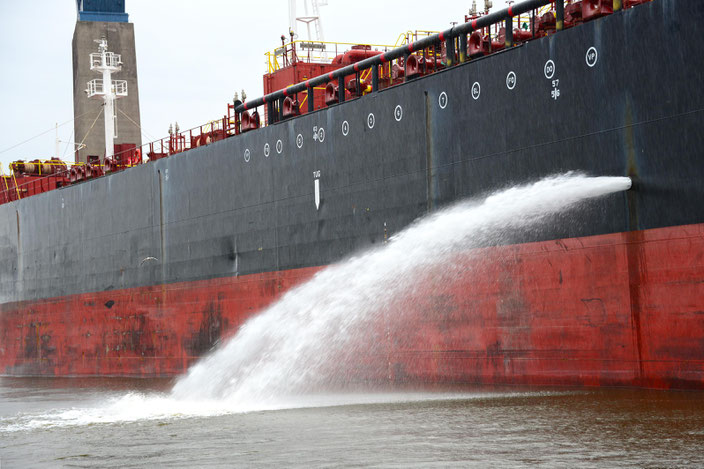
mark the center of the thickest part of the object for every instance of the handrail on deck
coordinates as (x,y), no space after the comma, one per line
(448,36)
(291,51)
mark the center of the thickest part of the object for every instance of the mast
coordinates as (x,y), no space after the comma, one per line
(294,19)
(109,90)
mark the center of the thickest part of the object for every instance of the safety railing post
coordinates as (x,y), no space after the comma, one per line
(405,67)
(559,14)
(375,78)
(341,89)
(450,51)
(463,48)
(311,98)
(270,112)
(509,32)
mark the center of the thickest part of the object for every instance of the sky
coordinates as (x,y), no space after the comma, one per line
(192,56)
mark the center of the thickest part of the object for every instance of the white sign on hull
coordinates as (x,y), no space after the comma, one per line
(316,175)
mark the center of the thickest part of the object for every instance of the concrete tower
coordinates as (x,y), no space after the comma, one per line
(103,19)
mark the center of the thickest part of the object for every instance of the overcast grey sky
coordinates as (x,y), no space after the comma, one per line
(191,57)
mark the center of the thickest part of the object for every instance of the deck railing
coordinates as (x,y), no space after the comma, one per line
(453,38)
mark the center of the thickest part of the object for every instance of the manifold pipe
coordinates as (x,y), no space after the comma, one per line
(458,30)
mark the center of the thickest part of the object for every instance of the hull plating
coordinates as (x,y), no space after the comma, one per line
(141,272)
(620,309)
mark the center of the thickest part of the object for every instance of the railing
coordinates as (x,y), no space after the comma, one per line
(120,87)
(181,141)
(37,176)
(96,87)
(453,38)
(318,52)
(112,60)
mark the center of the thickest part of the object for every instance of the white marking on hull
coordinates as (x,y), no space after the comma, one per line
(592,56)
(317,194)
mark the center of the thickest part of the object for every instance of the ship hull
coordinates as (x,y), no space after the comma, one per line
(621,309)
(141,272)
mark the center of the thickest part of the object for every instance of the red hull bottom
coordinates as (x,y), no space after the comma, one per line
(623,309)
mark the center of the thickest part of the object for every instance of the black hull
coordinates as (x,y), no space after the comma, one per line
(209,213)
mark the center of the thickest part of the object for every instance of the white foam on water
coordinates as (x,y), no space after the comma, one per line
(308,341)
(134,407)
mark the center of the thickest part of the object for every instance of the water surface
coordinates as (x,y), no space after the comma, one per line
(500,427)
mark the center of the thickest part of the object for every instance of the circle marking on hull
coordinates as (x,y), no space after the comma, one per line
(549,69)
(591,57)
(511,80)
(371,120)
(345,128)
(398,113)
(279,147)
(321,134)
(266,150)
(247,155)
(476,90)
(299,141)
(442,100)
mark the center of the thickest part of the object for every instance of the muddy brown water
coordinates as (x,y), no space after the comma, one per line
(54,423)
